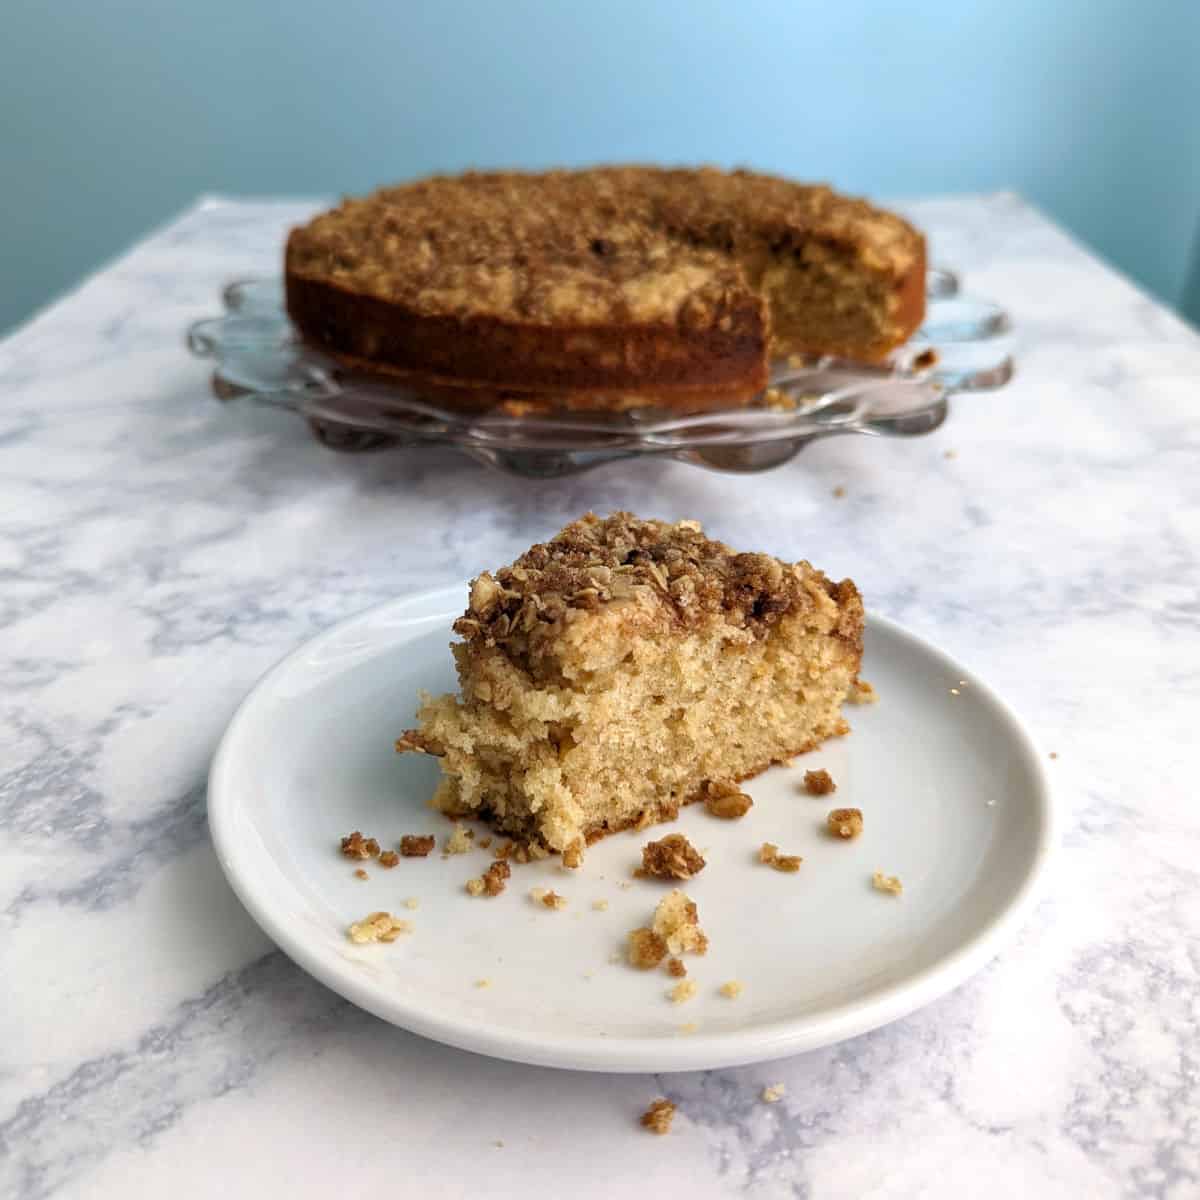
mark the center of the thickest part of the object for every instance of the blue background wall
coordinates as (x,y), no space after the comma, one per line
(115,114)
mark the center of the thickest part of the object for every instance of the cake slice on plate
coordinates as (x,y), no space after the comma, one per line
(607,675)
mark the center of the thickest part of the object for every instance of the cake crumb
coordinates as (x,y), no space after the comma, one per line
(416,845)
(819,783)
(484,843)
(572,856)
(839,492)
(726,800)
(600,905)
(361,874)
(950,454)
(676,967)
(672,857)
(886,883)
(862,692)
(1053,753)
(495,876)
(731,989)
(412,902)
(677,922)
(683,991)
(658,1117)
(774,1093)
(475,886)
(483,983)
(354,845)
(377,927)
(459,841)
(550,899)
(690,1027)
(845,822)
(498,1144)
(646,949)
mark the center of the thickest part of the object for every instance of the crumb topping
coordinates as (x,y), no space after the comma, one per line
(572,856)
(596,561)
(886,883)
(819,783)
(354,845)
(726,800)
(731,989)
(676,968)
(672,857)
(548,898)
(413,845)
(769,854)
(378,927)
(658,1117)
(845,822)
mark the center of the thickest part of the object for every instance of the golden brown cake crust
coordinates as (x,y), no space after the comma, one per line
(611,280)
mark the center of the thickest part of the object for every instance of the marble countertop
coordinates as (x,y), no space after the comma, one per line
(158,551)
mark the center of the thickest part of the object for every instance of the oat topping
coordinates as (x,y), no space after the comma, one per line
(354,845)
(726,800)
(845,822)
(658,1117)
(819,783)
(672,857)
(378,927)
(413,845)
(886,883)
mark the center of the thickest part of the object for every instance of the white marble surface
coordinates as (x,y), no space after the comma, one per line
(158,551)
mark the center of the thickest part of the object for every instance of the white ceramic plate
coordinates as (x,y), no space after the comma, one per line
(955,802)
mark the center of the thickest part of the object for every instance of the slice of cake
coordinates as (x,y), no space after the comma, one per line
(609,674)
(606,288)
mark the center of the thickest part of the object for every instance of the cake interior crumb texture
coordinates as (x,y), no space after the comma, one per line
(606,676)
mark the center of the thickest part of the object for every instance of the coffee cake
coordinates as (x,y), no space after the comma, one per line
(609,675)
(604,288)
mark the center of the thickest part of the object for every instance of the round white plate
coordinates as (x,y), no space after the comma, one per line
(955,803)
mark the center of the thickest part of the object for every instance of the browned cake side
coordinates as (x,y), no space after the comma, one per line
(624,283)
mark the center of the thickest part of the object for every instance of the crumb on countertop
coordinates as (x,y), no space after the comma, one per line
(378,927)
(416,845)
(819,783)
(731,989)
(886,883)
(845,823)
(672,857)
(726,800)
(658,1117)
(354,845)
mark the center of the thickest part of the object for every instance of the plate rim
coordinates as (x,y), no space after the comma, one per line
(625,1054)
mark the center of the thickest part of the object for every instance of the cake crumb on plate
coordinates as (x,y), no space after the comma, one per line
(683,991)
(774,1093)
(819,783)
(600,905)
(416,845)
(377,927)
(731,989)
(658,1117)
(672,857)
(845,823)
(887,883)
(726,800)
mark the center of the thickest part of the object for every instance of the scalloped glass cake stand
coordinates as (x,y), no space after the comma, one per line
(258,357)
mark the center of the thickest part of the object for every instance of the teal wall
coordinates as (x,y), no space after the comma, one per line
(115,113)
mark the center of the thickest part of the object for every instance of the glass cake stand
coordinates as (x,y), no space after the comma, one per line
(258,357)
